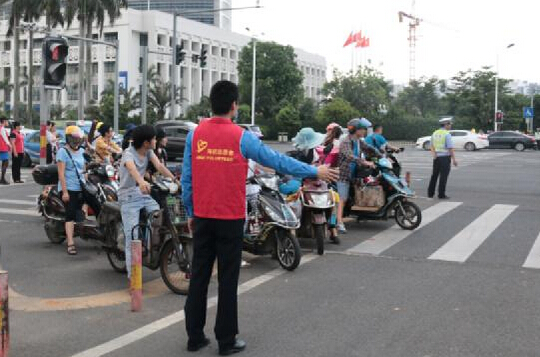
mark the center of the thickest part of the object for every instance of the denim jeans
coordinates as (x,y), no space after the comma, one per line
(131,205)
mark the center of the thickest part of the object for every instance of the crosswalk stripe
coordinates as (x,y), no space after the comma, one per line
(462,245)
(387,238)
(533,259)
(21,212)
(18,202)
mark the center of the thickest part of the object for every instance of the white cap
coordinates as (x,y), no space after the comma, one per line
(446,120)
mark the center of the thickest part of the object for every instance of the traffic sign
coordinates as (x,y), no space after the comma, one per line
(528,112)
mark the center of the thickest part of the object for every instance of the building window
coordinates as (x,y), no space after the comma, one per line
(109,67)
(73,68)
(95,92)
(94,69)
(143,39)
(72,93)
(110,36)
(159,65)
(7,45)
(38,42)
(140,64)
(35,94)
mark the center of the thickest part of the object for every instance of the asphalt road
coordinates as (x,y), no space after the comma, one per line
(466,283)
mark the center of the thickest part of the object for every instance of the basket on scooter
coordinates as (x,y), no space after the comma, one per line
(368,197)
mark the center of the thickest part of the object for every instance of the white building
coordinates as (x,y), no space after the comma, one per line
(153,29)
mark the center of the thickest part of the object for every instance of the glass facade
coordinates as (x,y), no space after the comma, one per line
(180,6)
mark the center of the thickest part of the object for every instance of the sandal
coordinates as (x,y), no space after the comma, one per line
(71,250)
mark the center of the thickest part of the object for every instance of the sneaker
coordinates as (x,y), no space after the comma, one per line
(341,228)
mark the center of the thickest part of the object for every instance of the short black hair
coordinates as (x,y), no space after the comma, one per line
(141,134)
(104,129)
(377,127)
(16,124)
(222,96)
(3,119)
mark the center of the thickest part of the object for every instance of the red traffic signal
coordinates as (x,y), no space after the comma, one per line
(55,52)
(499,116)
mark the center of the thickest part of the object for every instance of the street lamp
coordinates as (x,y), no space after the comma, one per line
(253,76)
(497,89)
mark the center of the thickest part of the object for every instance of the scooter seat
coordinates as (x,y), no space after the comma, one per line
(112,207)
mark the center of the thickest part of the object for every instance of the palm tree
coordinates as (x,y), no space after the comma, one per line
(78,8)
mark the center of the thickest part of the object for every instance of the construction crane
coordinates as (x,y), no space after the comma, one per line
(414,22)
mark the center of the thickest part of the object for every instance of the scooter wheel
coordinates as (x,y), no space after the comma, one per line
(319,233)
(408,216)
(118,261)
(55,231)
(175,274)
(288,250)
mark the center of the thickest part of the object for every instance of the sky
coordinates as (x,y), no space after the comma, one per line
(454,35)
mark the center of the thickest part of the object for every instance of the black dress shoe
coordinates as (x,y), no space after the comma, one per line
(197,345)
(237,346)
(444,198)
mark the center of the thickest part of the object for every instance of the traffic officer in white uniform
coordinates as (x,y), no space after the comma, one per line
(442,150)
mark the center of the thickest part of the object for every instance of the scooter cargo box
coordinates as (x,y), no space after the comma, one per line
(45,174)
(369,196)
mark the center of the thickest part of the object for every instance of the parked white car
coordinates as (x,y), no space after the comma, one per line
(462,139)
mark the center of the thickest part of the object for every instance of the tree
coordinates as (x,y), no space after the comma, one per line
(421,98)
(105,110)
(58,111)
(288,119)
(472,96)
(366,90)
(337,110)
(278,80)
(307,111)
(201,110)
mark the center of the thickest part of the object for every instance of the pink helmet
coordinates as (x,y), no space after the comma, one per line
(331,126)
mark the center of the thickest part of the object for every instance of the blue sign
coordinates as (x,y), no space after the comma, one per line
(528,112)
(123,80)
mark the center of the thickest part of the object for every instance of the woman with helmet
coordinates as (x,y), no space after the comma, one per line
(350,157)
(105,146)
(71,163)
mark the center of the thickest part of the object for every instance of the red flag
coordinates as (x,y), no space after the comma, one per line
(357,36)
(362,42)
(350,40)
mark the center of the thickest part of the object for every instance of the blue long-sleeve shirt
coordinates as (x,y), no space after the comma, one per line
(251,148)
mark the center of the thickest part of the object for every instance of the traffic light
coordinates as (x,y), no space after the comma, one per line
(203,57)
(180,54)
(55,52)
(499,116)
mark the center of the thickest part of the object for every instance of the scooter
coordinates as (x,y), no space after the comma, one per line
(317,202)
(163,246)
(106,174)
(387,196)
(271,224)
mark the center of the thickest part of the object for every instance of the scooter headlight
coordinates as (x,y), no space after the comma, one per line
(110,171)
(319,199)
(385,163)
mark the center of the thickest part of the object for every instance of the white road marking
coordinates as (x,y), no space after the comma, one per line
(20,212)
(176,317)
(462,245)
(395,234)
(18,202)
(533,259)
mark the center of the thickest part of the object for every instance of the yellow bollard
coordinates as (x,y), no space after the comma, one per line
(136,276)
(4,314)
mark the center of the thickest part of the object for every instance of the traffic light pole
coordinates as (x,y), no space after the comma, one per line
(144,87)
(43,115)
(173,70)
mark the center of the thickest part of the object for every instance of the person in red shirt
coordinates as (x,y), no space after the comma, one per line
(5,149)
(17,151)
(214,193)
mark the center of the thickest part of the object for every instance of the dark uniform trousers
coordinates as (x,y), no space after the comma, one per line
(441,167)
(221,239)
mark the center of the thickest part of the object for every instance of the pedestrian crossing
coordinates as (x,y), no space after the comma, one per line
(485,233)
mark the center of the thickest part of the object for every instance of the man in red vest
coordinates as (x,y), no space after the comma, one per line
(214,193)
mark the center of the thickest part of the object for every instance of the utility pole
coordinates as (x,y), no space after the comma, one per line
(144,87)
(253,81)
(173,70)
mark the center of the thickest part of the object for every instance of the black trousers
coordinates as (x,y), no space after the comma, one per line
(221,239)
(441,167)
(49,151)
(16,163)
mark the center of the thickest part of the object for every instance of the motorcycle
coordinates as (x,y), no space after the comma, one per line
(271,224)
(106,175)
(163,246)
(317,203)
(386,195)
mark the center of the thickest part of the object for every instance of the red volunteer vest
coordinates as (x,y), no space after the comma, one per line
(219,170)
(3,145)
(19,142)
